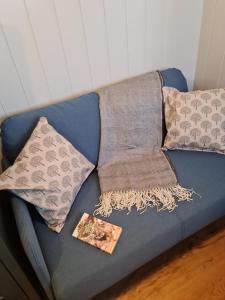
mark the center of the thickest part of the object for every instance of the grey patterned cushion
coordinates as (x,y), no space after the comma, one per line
(195,120)
(48,173)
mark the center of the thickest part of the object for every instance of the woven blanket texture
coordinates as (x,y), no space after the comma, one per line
(133,170)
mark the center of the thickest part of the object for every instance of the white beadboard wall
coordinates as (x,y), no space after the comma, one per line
(210,72)
(53,49)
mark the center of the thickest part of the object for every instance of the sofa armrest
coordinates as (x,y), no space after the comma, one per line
(30,243)
(29,240)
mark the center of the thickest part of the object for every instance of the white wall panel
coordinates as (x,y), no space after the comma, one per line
(116,26)
(208,21)
(52,49)
(182,45)
(216,48)
(98,49)
(155,34)
(12,95)
(211,59)
(22,46)
(70,22)
(136,27)
(221,76)
(45,27)
(2,114)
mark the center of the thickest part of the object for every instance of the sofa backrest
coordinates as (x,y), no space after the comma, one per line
(174,78)
(78,120)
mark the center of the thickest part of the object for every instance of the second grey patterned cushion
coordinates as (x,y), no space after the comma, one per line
(195,120)
(48,173)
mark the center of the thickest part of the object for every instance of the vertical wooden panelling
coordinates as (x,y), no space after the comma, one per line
(115,15)
(95,31)
(22,46)
(208,21)
(221,75)
(211,60)
(136,27)
(182,45)
(2,114)
(12,95)
(51,49)
(45,28)
(71,28)
(214,62)
(155,34)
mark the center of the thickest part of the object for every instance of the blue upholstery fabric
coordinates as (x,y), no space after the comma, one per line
(174,78)
(72,265)
(32,250)
(77,120)
(205,173)
(29,239)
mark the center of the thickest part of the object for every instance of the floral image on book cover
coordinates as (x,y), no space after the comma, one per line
(98,233)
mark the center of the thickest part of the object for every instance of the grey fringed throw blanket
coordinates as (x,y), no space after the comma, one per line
(132,169)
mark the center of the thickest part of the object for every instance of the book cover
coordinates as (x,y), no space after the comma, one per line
(98,233)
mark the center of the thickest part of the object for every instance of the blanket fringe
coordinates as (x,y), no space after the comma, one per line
(161,197)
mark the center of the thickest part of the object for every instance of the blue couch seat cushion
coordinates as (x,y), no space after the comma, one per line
(205,173)
(74,265)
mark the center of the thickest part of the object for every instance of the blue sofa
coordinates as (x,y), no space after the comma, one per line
(69,269)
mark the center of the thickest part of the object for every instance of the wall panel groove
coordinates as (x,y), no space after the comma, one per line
(127,42)
(210,68)
(86,45)
(116,38)
(211,33)
(107,40)
(62,44)
(155,34)
(208,23)
(14,64)
(2,109)
(93,15)
(136,35)
(45,79)
(18,33)
(220,80)
(145,34)
(52,49)
(11,93)
(46,32)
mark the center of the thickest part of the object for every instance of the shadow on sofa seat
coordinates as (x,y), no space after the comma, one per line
(79,271)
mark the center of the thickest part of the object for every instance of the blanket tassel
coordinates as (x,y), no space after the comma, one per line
(161,197)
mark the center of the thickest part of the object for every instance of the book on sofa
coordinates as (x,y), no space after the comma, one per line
(98,233)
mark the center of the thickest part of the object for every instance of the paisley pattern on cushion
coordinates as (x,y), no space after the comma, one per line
(195,120)
(44,174)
